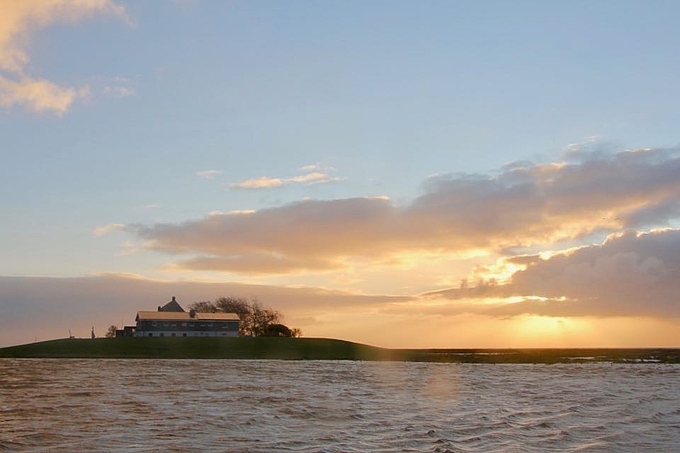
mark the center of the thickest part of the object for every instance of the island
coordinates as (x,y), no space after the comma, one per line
(281,348)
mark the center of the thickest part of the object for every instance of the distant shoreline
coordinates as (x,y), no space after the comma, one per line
(320,349)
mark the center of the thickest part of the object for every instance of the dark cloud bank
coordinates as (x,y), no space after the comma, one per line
(40,307)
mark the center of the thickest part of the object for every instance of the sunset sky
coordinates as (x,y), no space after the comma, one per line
(398,173)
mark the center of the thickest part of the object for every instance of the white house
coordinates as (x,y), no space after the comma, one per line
(171,320)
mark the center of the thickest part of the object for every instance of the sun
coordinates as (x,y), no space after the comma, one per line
(549,331)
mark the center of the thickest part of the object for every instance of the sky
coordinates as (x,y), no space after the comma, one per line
(483,174)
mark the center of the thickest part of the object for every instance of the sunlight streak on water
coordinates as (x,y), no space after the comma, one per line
(265,406)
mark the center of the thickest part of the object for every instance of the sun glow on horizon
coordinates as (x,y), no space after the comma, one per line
(552,331)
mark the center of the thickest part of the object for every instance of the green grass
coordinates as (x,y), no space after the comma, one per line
(200,348)
(318,349)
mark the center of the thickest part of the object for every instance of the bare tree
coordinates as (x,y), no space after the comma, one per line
(244,309)
(255,320)
(111,332)
(205,306)
(262,318)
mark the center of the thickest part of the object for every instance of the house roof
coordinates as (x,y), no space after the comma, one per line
(172,306)
(162,315)
(184,316)
(218,316)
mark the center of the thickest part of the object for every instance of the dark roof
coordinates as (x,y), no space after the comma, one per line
(172,306)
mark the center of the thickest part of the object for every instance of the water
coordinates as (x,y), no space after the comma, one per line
(272,406)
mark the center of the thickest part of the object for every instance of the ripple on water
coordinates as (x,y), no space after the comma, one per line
(263,406)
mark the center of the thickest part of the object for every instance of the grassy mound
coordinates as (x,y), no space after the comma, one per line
(317,349)
(200,348)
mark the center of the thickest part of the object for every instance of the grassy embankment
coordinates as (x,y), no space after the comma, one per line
(199,348)
(318,349)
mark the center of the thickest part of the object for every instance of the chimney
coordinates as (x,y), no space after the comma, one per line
(173,299)
(159,308)
(192,313)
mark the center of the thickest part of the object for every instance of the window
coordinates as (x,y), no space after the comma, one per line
(151,335)
(162,334)
(184,335)
(172,335)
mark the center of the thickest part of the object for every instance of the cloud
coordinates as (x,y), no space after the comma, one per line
(119,91)
(258,183)
(255,264)
(310,168)
(311,176)
(208,174)
(311,234)
(44,308)
(18,21)
(630,274)
(39,95)
(524,207)
(106,229)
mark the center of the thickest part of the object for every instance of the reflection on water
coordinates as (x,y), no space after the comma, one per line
(271,406)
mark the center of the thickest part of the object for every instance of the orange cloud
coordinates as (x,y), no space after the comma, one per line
(630,274)
(312,176)
(39,95)
(106,229)
(18,20)
(523,206)
(258,183)
(256,264)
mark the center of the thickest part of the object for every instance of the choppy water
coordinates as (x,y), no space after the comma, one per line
(271,406)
